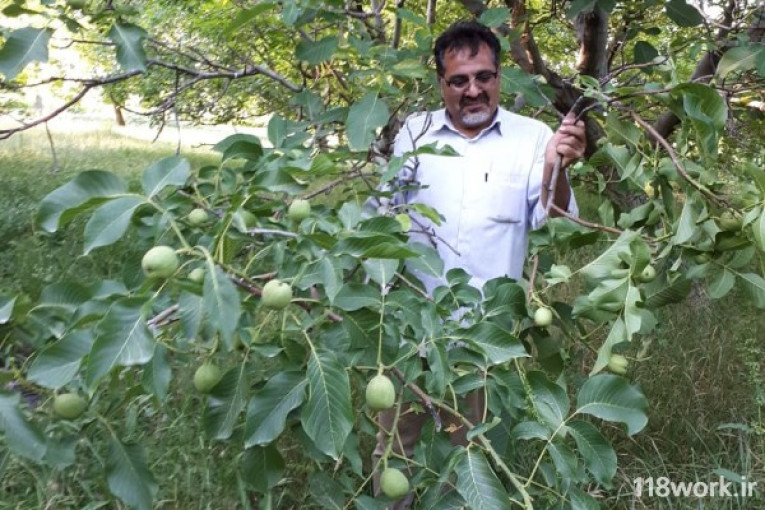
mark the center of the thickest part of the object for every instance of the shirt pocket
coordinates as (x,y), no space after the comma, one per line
(506,202)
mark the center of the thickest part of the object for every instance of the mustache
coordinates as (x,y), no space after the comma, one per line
(467,101)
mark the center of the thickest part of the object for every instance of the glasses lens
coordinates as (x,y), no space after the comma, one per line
(461,81)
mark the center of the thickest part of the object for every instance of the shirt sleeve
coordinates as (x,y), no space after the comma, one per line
(537,213)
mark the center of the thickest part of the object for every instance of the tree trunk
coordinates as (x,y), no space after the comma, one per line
(118,115)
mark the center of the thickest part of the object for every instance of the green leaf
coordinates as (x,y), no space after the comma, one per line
(407,15)
(78,195)
(262,468)
(558,274)
(617,335)
(596,452)
(494,17)
(22,437)
(549,399)
(22,47)
(683,14)
(122,339)
(170,171)
(354,296)
(644,52)
(565,461)
(268,409)
(633,317)
(428,262)
(128,475)
(222,304)
(225,403)
(662,294)
(504,298)
(708,113)
(722,283)
(754,285)
(244,16)
(622,131)
(612,398)
(157,374)
(740,58)
(110,221)
(758,230)
(410,68)
(530,430)
(498,345)
(364,117)
(191,313)
(327,417)
(6,308)
(316,52)
(380,271)
(478,484)
(129,41)
(686,224)
(579,6)
(331,276)
(373,245)
(601,268)
(60,451)
(240,145)
(58,363)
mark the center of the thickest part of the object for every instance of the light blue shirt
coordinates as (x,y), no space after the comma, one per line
(488,195)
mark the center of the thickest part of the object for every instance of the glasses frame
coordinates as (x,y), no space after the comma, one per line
(482,80)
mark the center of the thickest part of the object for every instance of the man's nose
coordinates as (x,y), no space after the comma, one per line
(473,89)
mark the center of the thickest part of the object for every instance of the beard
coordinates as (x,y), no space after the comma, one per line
(476,119)
(479,118)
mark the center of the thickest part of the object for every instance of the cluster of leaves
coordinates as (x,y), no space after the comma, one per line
(292,371)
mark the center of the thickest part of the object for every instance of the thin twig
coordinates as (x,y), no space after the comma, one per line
(429,404)
(585,223)
(676,162)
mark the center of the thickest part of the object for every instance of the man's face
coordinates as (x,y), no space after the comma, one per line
(470,88)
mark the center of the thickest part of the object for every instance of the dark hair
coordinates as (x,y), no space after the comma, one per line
(465,34)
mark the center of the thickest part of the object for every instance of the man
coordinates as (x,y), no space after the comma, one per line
(490,195)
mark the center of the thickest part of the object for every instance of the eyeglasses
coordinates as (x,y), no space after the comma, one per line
(461,81)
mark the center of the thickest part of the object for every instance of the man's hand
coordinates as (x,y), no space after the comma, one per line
(569,141)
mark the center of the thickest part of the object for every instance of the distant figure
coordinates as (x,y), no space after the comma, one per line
(38,104)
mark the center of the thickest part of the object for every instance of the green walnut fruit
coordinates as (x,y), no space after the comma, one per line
(299,210)
(543,317)
(69,406)
(159,262)
(647,274)
(702,258)
(197,275)
(380,393)
(276,294)
(394,483)
(206,377)
(618,364)
(198,217)
(76,4)
(729,221)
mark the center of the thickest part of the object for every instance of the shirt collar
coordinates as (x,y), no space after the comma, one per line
(441,120)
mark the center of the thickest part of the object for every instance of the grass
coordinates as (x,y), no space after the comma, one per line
(703,376)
